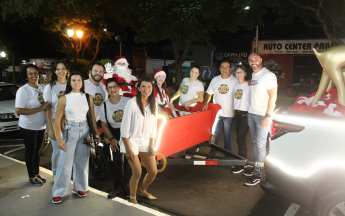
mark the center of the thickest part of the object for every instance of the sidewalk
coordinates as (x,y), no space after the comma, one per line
(14,184)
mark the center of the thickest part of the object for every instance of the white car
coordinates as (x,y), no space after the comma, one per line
(8,117)
(306,161)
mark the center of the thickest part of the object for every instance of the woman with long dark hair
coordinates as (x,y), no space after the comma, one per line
(138,131)
(53,91)
(191,89)
(161,91)
(31,107)
(241,106)
(73,153)
(111,120)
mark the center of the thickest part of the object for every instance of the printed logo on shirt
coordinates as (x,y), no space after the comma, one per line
(184,89)
(61,93)
(223,89)
(40,97)
(253,82)
(238,94)
(117,116)
(98,99)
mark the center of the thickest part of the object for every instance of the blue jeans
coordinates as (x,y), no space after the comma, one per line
(259,139)
(56,150)
(225,123)
(76,155)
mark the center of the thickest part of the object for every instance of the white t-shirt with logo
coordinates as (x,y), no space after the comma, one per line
(189,91)
(261,82)
(114,112)
(28,97)
(53,94)
(223,90)
(241,96)
(99,95)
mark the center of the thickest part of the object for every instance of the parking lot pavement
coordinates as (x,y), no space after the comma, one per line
(19,197)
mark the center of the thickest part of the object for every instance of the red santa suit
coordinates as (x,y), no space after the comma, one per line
(123,76)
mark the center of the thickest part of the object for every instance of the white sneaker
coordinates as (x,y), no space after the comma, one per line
(188,157)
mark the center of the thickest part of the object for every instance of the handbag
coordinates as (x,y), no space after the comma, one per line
(91,139)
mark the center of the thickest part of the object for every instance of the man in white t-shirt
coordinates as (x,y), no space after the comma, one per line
(222,87)
(263,88)
(95,87)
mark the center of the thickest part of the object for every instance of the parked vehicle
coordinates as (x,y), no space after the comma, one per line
(306,163)
(8,117)
(306,85)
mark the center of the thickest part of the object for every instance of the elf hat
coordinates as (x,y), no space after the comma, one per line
(158,73)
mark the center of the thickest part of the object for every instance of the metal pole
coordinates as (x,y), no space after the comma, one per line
(120,48)
(256,39)
(14,70)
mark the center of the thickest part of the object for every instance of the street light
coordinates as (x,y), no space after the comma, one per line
(70,33)
(3,54)
(246,8)
(118,39)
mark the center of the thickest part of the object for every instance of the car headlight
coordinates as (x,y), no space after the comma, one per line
(4,116)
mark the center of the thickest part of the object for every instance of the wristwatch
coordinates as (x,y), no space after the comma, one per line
(267,115)
(111,138)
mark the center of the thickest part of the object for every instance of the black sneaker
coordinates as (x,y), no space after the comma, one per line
(254,180)
(36,182)
(42,178)
(248,172)
(114,193)
(237,170)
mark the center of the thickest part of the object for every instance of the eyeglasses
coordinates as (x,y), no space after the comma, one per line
(225,67)
(239,72)
(161,77)
(112,87)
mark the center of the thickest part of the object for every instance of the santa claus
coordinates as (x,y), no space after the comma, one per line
(123,76)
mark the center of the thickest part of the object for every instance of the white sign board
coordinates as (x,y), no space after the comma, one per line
(292,46)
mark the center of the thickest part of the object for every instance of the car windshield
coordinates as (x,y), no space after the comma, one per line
(8,92)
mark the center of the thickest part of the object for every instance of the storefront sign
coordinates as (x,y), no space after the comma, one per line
(292,46)
(233,57)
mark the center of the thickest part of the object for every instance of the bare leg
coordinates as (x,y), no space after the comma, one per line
(136,173)
(151,167)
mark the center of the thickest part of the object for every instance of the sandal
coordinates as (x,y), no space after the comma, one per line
(145,194)
(133,199)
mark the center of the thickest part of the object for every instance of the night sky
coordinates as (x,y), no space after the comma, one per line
(26,40)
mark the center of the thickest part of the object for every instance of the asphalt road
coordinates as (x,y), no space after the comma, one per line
(190,190)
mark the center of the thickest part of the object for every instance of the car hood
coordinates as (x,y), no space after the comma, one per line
(8,107)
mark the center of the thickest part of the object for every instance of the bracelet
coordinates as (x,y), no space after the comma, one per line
(111,138)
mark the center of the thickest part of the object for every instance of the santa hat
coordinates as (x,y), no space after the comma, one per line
(158,73)
(120,59)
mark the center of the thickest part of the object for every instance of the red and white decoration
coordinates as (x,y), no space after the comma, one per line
(123,75)
(327,106)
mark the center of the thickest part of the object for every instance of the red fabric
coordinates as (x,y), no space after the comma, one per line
(125,89)
(117,58)
(154,75)
(304,108)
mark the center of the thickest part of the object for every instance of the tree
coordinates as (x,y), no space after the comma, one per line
(325,14)
(186,21)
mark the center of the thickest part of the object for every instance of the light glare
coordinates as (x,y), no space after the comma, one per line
(79,33)
(70,32)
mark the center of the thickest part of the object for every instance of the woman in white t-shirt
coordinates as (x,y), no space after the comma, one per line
(138,132)
(162,92)
(111,118)
(52,93)
(191,89)
(241,106)
(74,153)
(31,107)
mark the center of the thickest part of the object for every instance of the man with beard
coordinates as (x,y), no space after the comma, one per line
(263,88)
(124,77)
(95,87)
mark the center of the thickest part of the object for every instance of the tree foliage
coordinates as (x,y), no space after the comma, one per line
(325,14)
(187,21)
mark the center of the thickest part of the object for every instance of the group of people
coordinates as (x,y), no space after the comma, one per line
(130,124)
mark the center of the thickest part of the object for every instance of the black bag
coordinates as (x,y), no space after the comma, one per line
(91,139)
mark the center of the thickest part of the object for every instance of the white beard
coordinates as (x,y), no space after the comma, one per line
(124,72)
